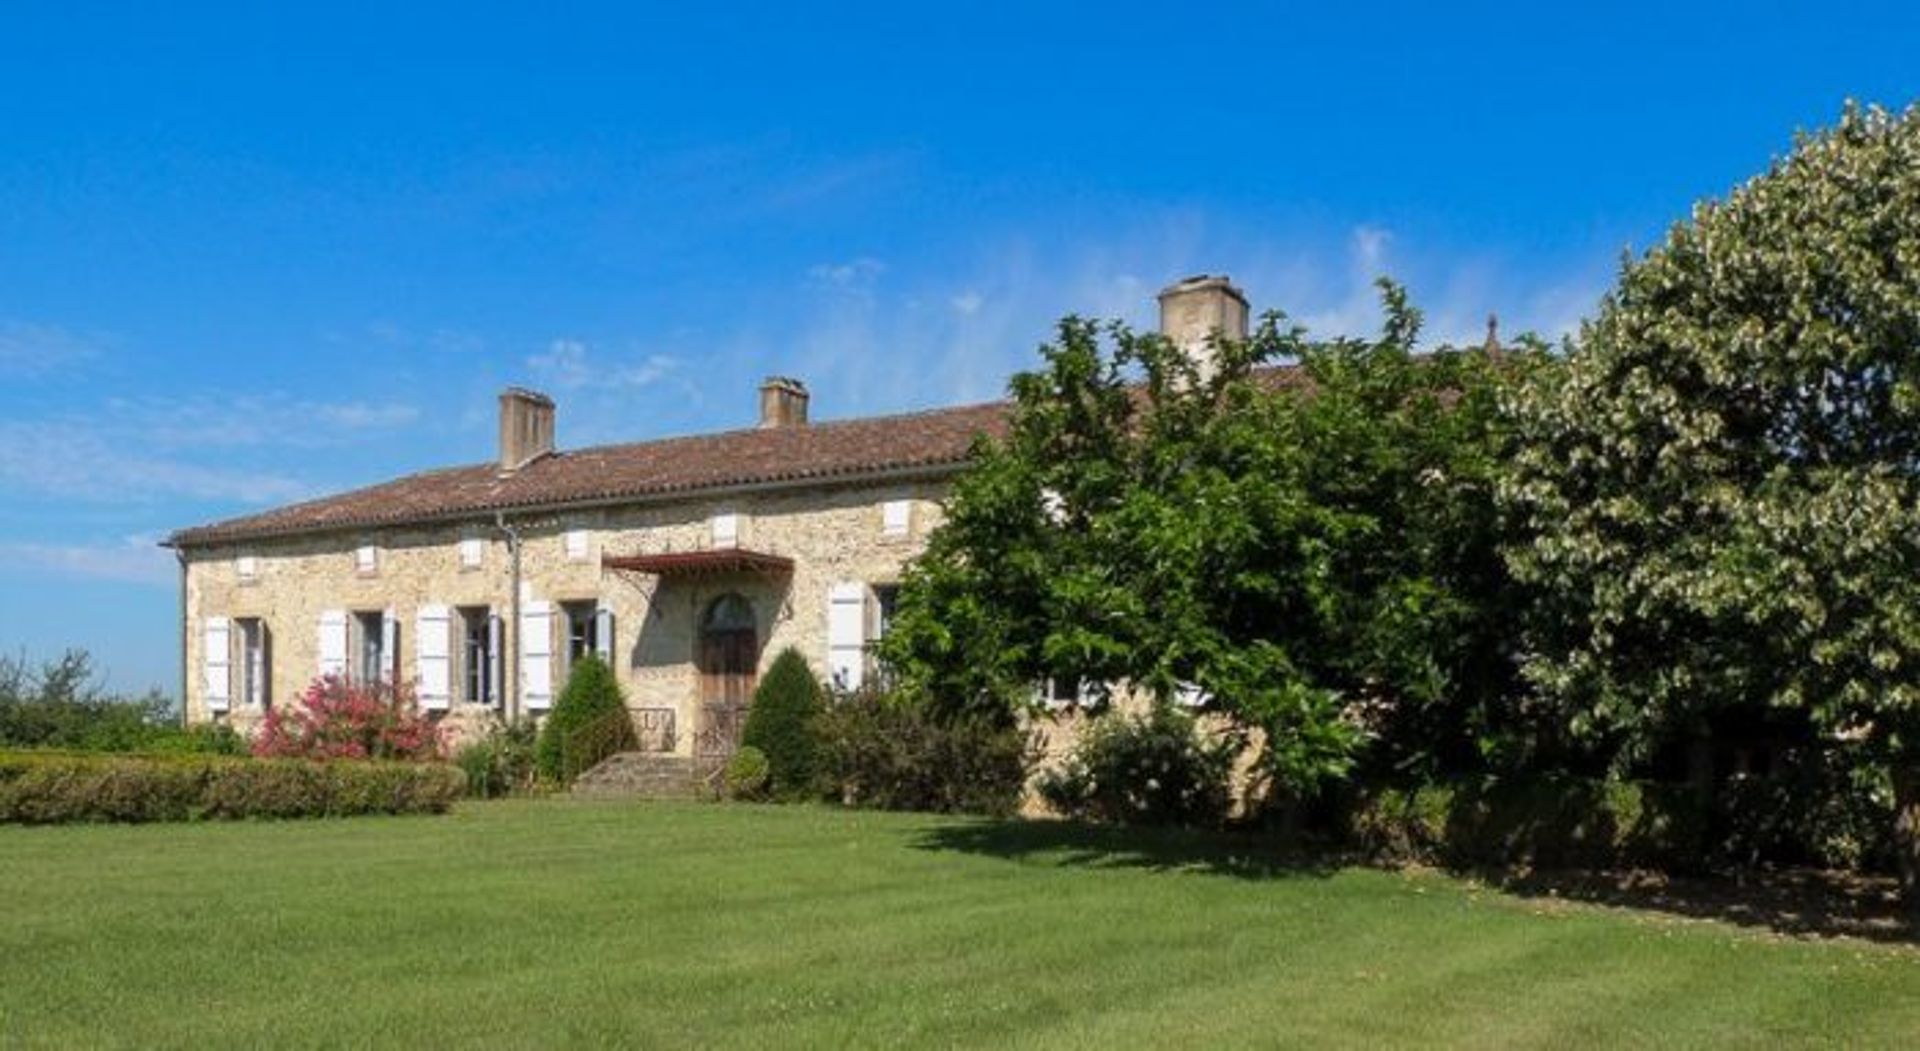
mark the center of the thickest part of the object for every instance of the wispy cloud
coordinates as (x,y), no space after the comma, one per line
(568,363)
(877,338)
(29,350)
(242,419)
(854,273)
(134,560)
(72,462)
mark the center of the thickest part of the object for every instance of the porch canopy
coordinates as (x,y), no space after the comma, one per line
(709,563)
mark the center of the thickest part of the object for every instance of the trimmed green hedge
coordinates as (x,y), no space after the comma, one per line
(43,788)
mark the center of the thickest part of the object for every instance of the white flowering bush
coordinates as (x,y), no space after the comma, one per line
(1718,497)
(1153,769)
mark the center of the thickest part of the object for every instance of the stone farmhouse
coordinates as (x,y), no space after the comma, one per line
(688,563)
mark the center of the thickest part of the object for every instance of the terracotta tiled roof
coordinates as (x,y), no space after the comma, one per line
(818,453)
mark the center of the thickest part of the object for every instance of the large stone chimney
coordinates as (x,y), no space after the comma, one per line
(526,427)
(783,402)
(1197,308)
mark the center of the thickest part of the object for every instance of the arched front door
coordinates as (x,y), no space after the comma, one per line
(729,659)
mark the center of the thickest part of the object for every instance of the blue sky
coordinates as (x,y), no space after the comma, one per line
(254,254)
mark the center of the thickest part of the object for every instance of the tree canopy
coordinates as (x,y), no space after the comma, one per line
(1718,493)
(1299,534)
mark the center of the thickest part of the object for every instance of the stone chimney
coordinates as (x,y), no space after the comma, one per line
(526,428)
(1196,308)
(783,402)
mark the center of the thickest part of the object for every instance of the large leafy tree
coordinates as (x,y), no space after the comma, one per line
(1310,548)
(1723,485)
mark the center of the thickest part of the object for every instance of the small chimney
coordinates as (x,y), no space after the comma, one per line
(1196,308)
(526,428)
(783,402)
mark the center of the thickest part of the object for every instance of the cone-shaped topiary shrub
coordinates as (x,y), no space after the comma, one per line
(591,698)
(780,724)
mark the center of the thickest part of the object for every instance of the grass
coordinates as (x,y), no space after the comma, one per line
(524,924)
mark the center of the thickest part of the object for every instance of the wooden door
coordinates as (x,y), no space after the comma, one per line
(729,659)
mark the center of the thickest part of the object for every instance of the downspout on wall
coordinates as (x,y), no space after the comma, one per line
(514,708)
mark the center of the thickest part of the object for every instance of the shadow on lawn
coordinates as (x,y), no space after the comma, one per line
(1796,903)
(1246,856)
(1790,903)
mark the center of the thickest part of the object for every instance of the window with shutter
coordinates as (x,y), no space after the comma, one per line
(473,552)
(603,634)
(218,662)
(433,657)
(496,658)
(536,655)
(256,687)
(576,545)
(726,530)
(896,518)
(389,647)
(366,559)
(846,634)
(333,643)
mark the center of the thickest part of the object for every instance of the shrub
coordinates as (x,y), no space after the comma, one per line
(591,702)
(61,705)
(1155,769)
(501,763)
(57,787)
(781,724)
(747,774)
(1796,818)
(339,719)
(877,751)
(203,739)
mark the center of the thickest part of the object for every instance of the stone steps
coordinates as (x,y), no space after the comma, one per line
(643,775)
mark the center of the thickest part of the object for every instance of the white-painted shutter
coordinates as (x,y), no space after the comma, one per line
(472,552)
(726,531)
(846,634)
(218,660)
(603,646)
(576,543)
(496,640)
(895,517)
(366,558)
(389,647)
(536,655)
(433,653)
(333,643)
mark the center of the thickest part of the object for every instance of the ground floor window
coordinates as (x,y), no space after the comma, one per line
(479,656)
(583,629)
(373,660)
(886,598)
(256,682)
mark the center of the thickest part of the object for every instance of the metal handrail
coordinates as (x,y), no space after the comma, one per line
(584,748)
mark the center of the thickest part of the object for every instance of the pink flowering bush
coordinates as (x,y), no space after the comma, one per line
(339,719)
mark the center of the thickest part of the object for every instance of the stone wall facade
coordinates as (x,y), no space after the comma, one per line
(835,535)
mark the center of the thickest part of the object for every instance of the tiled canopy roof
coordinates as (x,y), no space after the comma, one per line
(816,453)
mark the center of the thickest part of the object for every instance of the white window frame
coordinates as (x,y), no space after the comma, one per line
(473,552)
(724,530)
(896,518)
(255,645)
(246,568)
(576,544)
(366,559)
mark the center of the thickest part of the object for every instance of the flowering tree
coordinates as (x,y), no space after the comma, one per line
(1722,489)
(337,718)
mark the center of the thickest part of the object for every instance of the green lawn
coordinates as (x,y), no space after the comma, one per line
(560,923)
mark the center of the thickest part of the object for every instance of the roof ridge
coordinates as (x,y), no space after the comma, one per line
(815,425)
